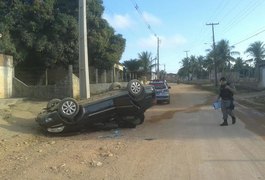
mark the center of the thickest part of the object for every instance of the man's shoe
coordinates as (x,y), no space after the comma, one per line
(233,120)
(224,124)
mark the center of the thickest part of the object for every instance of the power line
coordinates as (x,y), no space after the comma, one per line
(242,15)
(230,10)
(221,6)
(203,35)
(249,37)
(136,6)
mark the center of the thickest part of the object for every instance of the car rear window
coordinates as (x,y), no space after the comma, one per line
(159,86)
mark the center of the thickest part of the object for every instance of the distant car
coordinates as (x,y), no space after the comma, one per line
(125,109)
(161,90)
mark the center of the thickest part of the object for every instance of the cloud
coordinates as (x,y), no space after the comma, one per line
(151,19)
(149,42)
(165,41)
(119,21)
(173,41)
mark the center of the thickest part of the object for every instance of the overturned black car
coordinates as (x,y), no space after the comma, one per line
(125,109)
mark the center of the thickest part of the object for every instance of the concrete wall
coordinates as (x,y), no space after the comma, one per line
(76,88)
(103,87)
(231,76)
(61,90)
(6,76)
(67,86)
(39,91)
(94,88)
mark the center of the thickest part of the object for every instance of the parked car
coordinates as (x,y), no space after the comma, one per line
(161,90)
(125,109)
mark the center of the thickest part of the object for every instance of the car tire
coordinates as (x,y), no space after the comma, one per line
(53,104)
(136,89)
(68,108)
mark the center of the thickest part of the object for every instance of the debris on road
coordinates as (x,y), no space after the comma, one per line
(96,163)
(115,133)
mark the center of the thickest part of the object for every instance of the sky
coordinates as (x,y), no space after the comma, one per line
(181,26)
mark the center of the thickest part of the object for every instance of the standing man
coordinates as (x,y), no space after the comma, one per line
(227,105)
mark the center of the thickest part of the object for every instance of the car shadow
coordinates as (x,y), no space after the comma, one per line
(29,126)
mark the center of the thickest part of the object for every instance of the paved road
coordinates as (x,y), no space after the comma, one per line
(182,140)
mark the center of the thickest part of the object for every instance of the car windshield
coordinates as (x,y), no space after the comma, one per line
(159,86)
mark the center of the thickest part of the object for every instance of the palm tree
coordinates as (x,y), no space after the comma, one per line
(239,65)
(185,70)
(209,63)
(146,61)
(224,55)
(132,66)
(193,67)
(201,70)
(242,68)
(257,51)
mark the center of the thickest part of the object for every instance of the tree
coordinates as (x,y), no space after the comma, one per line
(193,67)
(146,61)
(41,35)
(257,51)
(183,73)
(162,74)
(132,65)
(104,46)
(224,55)
(201,69)
(45,34)
(239,65)
(242,68)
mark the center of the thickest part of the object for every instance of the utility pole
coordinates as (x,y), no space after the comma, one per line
(83,54)
(187,53)
(214,60)
(187,56)
(158,42)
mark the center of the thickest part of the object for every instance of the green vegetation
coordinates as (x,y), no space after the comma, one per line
(44,34)
(142,65)
(200,67)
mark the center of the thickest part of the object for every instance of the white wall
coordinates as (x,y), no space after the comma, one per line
(6,76)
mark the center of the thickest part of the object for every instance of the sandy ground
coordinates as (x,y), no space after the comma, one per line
(182,140)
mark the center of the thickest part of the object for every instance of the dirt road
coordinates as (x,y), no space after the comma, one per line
(182,140)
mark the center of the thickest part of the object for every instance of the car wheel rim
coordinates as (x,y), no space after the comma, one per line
(136,87)
(69,108)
